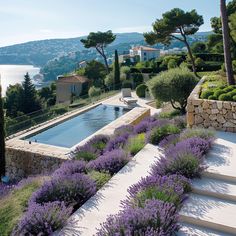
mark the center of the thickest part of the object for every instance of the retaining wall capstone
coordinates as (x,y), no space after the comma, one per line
(204,113)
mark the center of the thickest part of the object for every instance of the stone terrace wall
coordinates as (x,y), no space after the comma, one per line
(203,113)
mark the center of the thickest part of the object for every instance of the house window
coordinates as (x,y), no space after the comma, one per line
(144,58)
(145,54)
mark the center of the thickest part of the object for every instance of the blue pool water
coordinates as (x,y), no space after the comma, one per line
(71,132)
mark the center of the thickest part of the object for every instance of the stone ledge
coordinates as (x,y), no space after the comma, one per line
(204,113)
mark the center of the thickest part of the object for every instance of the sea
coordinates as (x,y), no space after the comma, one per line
(13,74)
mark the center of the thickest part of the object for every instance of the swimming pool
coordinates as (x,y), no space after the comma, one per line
(71,132)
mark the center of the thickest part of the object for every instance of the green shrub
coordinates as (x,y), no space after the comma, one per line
(158,133)
(173,85)
(85,155)
(206,94)
(225,97)
(127,84)
(155,192)
(169,115)
(135,144)
(212,97)
(60,110)
(172,64)
(137,78)
(94,91)
(218,92)
(198,133)
(234,98)
(228,89)
(100,178)
(141,90)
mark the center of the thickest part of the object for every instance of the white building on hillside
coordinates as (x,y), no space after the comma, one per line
(145,53)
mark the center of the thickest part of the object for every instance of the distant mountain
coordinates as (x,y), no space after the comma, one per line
(38,53)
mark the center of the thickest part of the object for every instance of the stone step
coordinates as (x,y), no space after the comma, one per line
(215,188)
(210,212)
(221,160)
(193,230)
(107,200)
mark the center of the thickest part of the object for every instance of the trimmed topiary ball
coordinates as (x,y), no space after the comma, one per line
(212,97)
(206,94)
(218,92)
(234,98)
(225,97)
(141,90)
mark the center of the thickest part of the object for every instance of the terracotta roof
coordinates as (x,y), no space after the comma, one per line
(72,79)
(145,48)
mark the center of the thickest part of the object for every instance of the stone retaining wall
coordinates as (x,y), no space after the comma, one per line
(24,159)
(204,113)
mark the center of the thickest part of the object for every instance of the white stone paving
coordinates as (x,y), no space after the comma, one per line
(107,200)
(212,205)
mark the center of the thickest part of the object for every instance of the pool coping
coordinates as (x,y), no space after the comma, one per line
(19,143)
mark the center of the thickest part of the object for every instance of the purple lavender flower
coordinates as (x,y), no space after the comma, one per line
(156,218)
(178,160)
(74,190)
(169,140)
(70,167)
(116,143)
(5,189)
(43,219)
(111,161)
(165,188)
(142,127)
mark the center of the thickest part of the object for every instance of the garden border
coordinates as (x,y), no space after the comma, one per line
(204,113)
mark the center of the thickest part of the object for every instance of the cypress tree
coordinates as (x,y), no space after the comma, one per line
(29,98)
(116,72)
(2,138)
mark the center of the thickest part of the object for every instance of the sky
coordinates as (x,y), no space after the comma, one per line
(28,20)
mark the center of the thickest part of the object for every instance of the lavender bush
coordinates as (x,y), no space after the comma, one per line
(179,161)
(43,219)
(165,188)
(73,190)
(142,127)
(171,139)
(111,162)
(198,133)
(116,142)
(156,218)
(70,167)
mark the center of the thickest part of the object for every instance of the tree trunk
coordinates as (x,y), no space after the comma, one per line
(191,57)
(226,41)
(2,138)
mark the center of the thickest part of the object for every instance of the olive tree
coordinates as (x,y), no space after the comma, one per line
(173,86)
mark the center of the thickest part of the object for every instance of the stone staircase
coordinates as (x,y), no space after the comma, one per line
(211,208)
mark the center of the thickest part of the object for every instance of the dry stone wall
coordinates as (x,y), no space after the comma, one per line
(204,113)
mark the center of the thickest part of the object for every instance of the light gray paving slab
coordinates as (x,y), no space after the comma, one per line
(192,230)
(107,200)
(221,160)
(209,212)
(215,188)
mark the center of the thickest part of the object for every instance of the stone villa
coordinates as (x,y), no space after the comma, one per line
(68,86)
